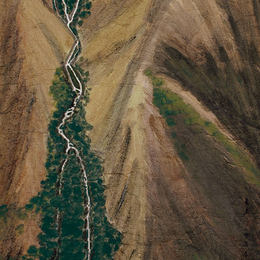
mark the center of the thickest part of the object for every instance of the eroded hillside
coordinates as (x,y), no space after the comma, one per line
(33,43)
(195,208)
(174,104)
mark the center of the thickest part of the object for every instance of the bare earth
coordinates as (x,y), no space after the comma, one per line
(164,207)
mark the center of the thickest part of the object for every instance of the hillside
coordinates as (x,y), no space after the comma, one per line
(33,43)
(197,47)
(174,105)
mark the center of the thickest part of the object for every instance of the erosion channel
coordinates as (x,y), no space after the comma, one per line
(72,203)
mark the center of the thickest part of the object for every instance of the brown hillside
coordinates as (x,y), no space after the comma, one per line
(204,208)
(33,43)
(185,197)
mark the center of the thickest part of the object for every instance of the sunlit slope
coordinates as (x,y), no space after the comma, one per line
(113,37)
(176,188)
(206,48)
(33,43)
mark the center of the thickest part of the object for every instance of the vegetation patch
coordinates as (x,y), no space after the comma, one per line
(230,93)
(19,229)
(82,13)
(63,201)
(11,215)
(63,226)
(157,82)
(174,109)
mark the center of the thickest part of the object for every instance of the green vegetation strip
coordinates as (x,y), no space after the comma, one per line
(171,105)
(62,200)
(82,13)
(70,236)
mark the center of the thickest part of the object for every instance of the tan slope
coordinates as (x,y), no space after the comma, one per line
(166,208)
(33,44)
(193,210)
(113,36)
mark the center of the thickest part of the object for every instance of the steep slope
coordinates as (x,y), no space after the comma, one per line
(203,208)
(182,180)
(33,43)
(216,56)
(113,36)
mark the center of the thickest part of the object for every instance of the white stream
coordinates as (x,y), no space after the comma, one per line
(69,113)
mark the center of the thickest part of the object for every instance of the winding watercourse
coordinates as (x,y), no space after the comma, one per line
(70,112)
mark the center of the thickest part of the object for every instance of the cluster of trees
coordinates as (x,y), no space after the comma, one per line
(82,12)
(72,207)
(105,239)
(48,201)
(11,211)
(63,233)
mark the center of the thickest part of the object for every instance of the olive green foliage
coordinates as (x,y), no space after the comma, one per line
(19,229)
(80,23)
(11,215)
(172,107)
(231,93)
(197,257)
(157,82)
(9,258)
(63,232)
(12,211)
(168,109)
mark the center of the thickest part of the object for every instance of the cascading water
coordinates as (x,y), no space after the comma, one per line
(70,112)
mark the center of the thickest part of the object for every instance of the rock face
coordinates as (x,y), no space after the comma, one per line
(165,207)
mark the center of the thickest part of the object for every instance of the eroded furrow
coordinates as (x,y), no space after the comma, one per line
(69,113)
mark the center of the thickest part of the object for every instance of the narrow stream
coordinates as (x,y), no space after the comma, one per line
(69,113)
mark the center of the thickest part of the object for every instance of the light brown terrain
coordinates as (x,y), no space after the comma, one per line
(189,210)
(165,208)
(33,44)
